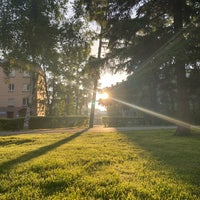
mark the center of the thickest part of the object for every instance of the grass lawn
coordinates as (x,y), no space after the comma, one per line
(112,165)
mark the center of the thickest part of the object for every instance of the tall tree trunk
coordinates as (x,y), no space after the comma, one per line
(52,101)
(182,92)
(91,121)
(182,98)
(27,118)
(67,104)
(76,100)
(30,101)
(153,97)
(47,92)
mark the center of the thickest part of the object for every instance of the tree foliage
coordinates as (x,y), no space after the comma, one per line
(158,41)
(39,36)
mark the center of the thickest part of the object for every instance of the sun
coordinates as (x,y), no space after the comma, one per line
(103,95)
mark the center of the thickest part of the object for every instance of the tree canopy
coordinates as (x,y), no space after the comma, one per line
(41,36)
(156,41)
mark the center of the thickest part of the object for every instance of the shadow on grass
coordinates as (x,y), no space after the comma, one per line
(38,152)
(180,154)
(17,142)
(53,187)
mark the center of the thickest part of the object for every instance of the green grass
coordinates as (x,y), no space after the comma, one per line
(130,165)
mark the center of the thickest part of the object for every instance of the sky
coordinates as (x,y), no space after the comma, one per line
(107,78)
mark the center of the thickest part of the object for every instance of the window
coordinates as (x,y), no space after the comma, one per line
(10,102)
(12,73)
(25,101)
(11,87)
(25,87)
(10,114)
(26,74)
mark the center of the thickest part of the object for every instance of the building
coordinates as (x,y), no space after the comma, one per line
(15,93)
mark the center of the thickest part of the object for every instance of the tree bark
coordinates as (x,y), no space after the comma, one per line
(47,93)
(32,100)
(29,105)
(182,99)
(182,90)
(91,121)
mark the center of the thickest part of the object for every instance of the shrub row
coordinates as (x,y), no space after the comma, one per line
(11,124)
(58,122)
(123,121)
(44,122)
(113,121)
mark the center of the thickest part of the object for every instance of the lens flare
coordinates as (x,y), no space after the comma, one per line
(153,113)
(161,116)
(104,95)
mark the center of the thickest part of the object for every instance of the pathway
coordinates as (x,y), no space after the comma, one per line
(101,128)
(96,128)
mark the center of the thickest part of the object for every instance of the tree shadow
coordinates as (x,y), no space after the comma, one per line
(180,154)
(38,152)
(16,142)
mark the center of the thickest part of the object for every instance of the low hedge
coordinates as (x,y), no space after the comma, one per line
(122,121)
(115,121)
(44,122)
(11,124)
(58,122)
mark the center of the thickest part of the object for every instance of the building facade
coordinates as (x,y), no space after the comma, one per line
(15,93)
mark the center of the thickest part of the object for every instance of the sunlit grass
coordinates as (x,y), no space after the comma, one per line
(131,165)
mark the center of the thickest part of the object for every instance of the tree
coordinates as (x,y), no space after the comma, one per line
(98,13)
(148,35)
(74,48)
(182,90)
(34,35)
(29,37)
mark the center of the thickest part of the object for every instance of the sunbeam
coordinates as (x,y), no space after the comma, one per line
(158,115)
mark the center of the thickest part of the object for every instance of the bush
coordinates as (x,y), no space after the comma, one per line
(11,124)
(58,122)
(44,122)
(134,121)
(155,121)
(123,121)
